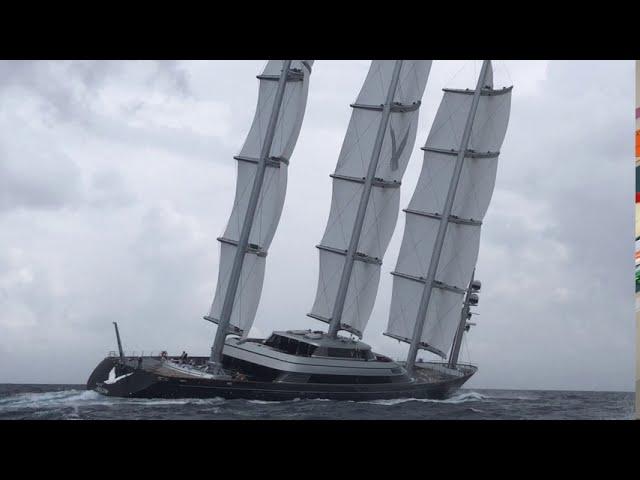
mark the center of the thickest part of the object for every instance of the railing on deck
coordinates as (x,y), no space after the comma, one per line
(133,355)
(461,369)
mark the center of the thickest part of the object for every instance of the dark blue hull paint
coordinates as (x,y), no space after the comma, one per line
(144,384)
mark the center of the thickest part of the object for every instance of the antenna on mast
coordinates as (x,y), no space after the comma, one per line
(470,299)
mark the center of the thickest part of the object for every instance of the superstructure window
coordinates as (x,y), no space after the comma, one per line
(305,349)
(345,353)
(290,346)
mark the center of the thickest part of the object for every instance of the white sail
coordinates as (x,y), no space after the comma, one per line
(462,240)
(273,191)
(348,185)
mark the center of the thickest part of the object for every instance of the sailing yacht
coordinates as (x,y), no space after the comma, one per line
(433,281)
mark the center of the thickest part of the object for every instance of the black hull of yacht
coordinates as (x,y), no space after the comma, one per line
(141,383)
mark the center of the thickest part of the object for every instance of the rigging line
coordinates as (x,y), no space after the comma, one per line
(447,122)
(503,64)
(374,120)
(356,116)
(340,213)
(271,178)
(326,284)
(414,245)
(474,191)
(378,213)
(493,131)
(242,287)
(491,116)
(358,292)
(431,173)
(338,307)
(404,80)
(442,228)
(464,65)
(455,238)
(264,65)
(240,196)
(215,359)
(440,316)
(415,74)
(344,156)
(466,348)
(291,92)
(380,79)
(380,207)
(267,103)
(380,210)
(258,116)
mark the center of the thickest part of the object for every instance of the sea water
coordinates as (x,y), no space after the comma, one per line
(73,402)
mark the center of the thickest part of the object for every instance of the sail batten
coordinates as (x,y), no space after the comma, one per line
(354,181)
(264,158)
(458,251)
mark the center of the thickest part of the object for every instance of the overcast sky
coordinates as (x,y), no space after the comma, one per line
(117,177)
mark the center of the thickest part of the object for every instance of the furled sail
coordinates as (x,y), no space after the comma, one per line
(349,186)
(272,194)
(423,216)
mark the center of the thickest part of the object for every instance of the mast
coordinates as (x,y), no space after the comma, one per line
(464,316)
(215,361)
(120,351)
(338,307)
(444,222)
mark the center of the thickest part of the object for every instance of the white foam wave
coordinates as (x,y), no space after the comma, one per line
(87,398)
(460,398)
(268,402)
(49,398)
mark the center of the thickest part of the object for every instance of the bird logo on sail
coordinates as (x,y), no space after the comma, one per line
(396,150)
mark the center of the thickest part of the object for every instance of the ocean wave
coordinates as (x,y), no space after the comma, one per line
(460,398)
(75,403)
(81,398)
(55,398)
(467,397)
(268,402)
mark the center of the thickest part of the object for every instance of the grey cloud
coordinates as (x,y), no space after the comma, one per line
(33,179)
